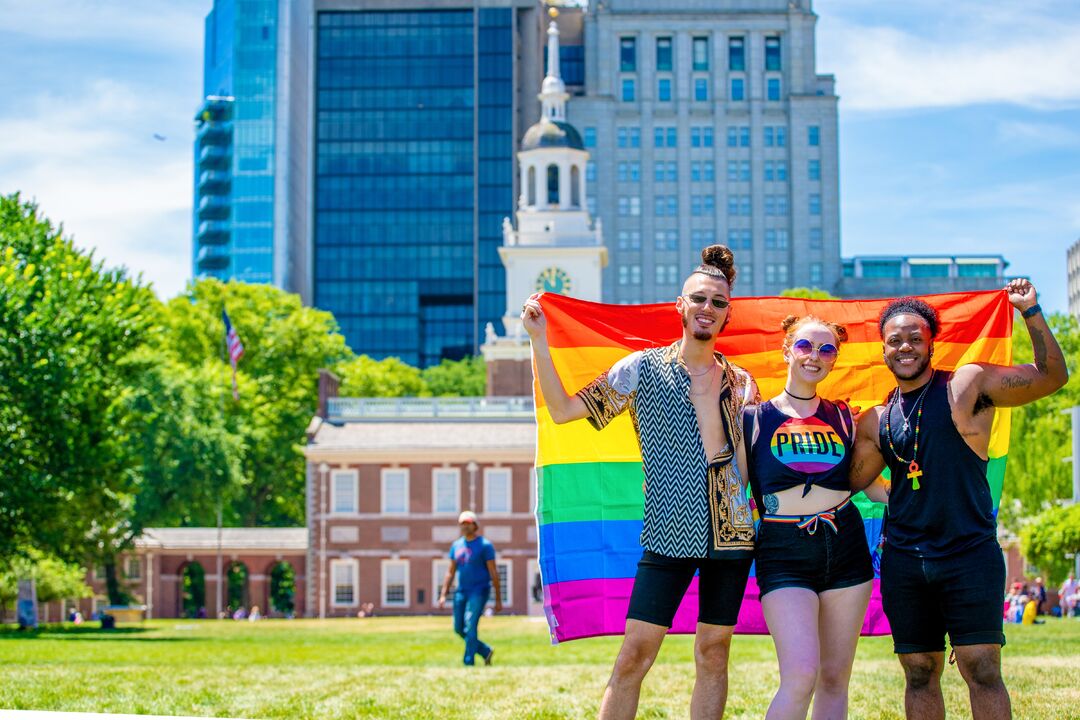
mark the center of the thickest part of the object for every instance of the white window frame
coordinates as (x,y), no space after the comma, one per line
(508,587)
(383,587)
(355,565)
(382,490)
(355,491)
(446,471)
(439,568)
(488,472)
(136,562)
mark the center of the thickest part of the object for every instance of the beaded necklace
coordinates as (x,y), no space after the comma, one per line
(914,473)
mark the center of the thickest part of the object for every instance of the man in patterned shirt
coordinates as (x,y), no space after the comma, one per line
(686,402)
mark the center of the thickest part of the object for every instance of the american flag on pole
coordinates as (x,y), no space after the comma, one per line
(235,349)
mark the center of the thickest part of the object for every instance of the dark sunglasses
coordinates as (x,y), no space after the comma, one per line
(717,302)
(804,348)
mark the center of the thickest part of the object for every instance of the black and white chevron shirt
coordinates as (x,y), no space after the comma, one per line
(655,387)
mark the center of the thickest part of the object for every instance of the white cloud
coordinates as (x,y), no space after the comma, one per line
(1038,135)
(91,163)
(158,25)
(951,54)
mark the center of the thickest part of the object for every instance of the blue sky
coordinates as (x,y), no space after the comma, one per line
(959,126)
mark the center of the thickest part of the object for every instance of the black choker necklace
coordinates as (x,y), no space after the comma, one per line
(799,397)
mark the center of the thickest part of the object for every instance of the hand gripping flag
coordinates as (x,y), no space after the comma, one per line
(234,348)
(589,494)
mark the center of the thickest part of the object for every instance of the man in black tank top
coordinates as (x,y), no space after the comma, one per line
(942,570)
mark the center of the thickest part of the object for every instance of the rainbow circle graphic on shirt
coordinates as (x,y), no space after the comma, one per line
(807,445)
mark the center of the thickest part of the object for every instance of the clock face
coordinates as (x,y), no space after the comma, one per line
(553,279)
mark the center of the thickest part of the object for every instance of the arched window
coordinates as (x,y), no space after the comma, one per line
(553,184)
(575,186)
(532,186)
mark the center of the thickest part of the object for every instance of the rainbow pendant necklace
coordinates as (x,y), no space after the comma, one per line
(914,472)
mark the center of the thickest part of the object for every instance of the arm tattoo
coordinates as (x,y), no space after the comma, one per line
(1014,382)
(771,504)
(1038,345)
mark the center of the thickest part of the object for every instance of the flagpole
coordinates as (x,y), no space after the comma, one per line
(220,575)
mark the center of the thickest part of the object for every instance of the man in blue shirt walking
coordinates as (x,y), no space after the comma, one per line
(473,561)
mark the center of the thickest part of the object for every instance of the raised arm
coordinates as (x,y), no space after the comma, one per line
(867,462)
(562,406)
(1012,385)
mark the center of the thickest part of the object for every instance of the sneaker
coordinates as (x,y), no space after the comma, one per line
(487,660)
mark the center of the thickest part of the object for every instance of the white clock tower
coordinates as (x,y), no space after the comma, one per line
(556,247)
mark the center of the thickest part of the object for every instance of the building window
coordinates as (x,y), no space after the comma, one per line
(701,136)
(815,238)
(629,205)
(344,574)
(628,90)
(925,270)
(702,238)
(739,205)
(506,579)
(344,491)
(628,137)
(590,171)
(629,274)
(629,172)
(666,240)
(817,275)
(813,135)
(667,274)
(776,273)
(813,169)
(590,203)
(665,136)
(446,491)
(666,205)
(701,89)
(775,136)
(736,54)
(590,137)
(702,205)
(663,90)
(395,583)
(395,491)
(772,54)
(740,239)
(701,53)
(815,204)
(881,269)
(776,239)
(497,491)
(666,172)
(702,171)
(629,239)
(738,89)
(772,89)
(439,568)
(775,170)
(628,54)
(133,568)
(663,53)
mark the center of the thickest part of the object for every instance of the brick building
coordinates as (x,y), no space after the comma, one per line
(386,479)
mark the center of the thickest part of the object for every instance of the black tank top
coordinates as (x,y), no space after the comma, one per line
(790,451)
(952,509)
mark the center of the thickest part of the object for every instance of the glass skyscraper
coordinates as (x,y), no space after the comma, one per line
(235,143)
(413,174)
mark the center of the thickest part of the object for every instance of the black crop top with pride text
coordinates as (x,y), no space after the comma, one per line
(790,451)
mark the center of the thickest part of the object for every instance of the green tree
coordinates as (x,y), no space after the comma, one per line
(54,579)
(285,345)
(362,376)
(808,293)
(66,326)
(1035,476)
(465,377)
(1048,538)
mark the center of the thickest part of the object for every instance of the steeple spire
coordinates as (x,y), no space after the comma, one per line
(553,93)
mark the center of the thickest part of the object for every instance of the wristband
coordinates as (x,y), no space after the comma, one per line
(1031,311)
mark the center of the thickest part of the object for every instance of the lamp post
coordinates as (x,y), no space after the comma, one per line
(324,469)
(472,467)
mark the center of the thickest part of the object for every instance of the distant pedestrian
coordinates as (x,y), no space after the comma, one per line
(1067,595)
(473,561)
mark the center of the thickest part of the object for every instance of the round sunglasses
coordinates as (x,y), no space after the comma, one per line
(804,348)
(717,302)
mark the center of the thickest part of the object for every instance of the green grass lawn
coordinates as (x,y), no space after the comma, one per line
(410,668)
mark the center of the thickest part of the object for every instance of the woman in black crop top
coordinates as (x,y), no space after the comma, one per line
(813,564)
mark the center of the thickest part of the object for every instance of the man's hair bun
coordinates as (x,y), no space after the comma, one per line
(718,261)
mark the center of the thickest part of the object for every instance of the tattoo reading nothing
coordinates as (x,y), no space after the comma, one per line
(1014,382)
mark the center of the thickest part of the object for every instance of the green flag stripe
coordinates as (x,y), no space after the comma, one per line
(575,492)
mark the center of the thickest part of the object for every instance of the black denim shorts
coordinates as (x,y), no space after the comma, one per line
(662,581)
(815,557)
(962,595)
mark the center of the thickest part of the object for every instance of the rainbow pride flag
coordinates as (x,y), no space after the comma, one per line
(590,501)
